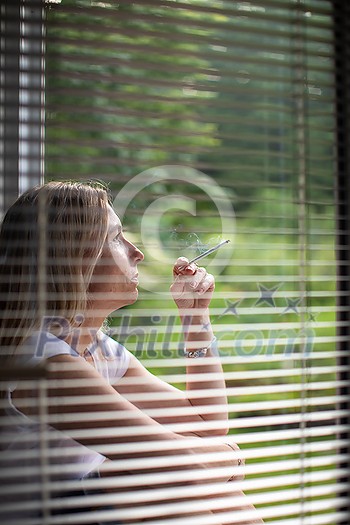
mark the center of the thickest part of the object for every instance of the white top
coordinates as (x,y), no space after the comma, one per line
(111,360)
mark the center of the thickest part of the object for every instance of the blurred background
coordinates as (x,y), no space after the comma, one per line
(213,120)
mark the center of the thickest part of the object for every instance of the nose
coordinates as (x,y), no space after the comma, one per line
(136,254)
(140,255)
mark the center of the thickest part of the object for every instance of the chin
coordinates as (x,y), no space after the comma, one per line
(132,297)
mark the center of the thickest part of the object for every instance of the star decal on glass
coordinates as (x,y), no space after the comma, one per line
(292,304)
(311,317)
(231,307)
(206,327)
(267,295)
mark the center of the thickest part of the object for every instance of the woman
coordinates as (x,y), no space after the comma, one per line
(66,265)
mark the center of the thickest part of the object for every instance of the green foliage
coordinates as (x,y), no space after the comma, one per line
(136,86)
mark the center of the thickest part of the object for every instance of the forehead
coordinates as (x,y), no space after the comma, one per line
(113,220)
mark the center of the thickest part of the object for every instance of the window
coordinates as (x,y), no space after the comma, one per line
(22,117)
(210,121)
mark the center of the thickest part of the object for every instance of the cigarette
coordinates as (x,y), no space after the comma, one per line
(207,252)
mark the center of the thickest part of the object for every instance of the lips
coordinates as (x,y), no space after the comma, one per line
(135,279)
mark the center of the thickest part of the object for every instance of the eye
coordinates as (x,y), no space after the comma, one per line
(117,238)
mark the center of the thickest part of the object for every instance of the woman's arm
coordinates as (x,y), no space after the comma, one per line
(211,387)
(167,404)
(85,407)
(192,290)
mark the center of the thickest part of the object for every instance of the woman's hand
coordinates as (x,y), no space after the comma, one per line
(193,286)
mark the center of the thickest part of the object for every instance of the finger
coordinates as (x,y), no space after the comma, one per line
(177,288)
(206,284)
(181,267)
(195,281)
(184,283)
(182,297)
(195,278)
(181,283)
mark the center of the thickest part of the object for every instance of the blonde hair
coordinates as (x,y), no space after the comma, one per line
(50,241)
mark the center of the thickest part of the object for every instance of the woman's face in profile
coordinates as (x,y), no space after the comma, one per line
(115,278)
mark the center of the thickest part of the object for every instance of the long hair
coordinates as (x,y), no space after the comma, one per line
(50,241)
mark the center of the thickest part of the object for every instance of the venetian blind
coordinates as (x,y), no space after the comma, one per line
(209,120)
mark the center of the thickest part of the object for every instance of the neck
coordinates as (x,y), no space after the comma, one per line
(84,335)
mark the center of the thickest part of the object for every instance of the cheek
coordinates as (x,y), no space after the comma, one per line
(116,261)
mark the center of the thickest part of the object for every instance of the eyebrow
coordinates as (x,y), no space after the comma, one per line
(117,228)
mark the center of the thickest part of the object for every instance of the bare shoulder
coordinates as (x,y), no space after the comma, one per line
(66,377)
